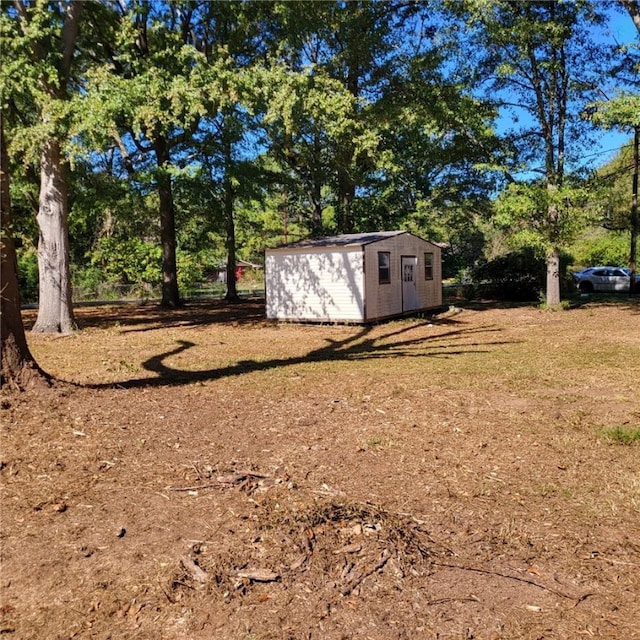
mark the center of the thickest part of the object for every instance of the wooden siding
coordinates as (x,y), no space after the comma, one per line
(337,279)
(384,300)
(316,285)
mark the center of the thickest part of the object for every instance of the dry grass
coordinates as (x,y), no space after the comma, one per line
(209,474)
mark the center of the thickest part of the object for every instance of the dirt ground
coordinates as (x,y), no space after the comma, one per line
(206,474)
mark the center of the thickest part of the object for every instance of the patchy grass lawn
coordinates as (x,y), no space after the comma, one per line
(207,474)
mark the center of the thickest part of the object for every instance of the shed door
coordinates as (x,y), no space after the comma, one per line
(409,266)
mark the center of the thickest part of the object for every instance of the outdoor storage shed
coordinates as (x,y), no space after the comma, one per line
(355,278)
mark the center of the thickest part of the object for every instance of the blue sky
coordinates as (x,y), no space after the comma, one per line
(620,30)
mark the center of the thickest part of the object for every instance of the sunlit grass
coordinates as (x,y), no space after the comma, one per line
(621,435)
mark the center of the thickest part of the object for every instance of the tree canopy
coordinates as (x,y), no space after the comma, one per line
(185,135)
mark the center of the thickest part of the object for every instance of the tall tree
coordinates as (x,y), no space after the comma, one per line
(544,64)
(623,111)
(370,113)
(18,369)
(342,54)
(307,112)
(171,95)
(41,43)
(360,51)
(238,34)
(147,97)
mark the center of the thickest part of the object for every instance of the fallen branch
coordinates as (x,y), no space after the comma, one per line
(228,480)
(241,476)
(350,548)
(210,485)
(447,600)
(512,577)
(359,577)
(196,572)
(257,575)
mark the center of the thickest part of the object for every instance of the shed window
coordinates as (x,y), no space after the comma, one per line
(384,267)
(428,266)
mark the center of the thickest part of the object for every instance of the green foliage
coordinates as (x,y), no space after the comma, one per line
(129,264)
(540,60)
(89,283)
(376,120)
(105,204)
(38,94)
(522,212)
(602,248)
(291,119)
(276,219)
(621,435)
(563,306)
(611,191)
(28,274)
(128,261)
(192,270)
(460,227)
(622,111)
(518,276)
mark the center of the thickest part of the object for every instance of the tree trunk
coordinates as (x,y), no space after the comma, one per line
(553,278)
(229,198)
(346,195)
(55,308)
(316,218)
(633,7)
(553,255)
(346,181)
(635,221)
(316,187)
(18,369)
(232,280)
(170,291)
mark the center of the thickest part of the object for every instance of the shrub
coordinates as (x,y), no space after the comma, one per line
(87,282)
(131,261)
(609,248)
(190,272)
(518,276)
(28,278)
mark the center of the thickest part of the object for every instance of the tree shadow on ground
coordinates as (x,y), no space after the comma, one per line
(141,316)
(577,301)
(363,345)
(620,300)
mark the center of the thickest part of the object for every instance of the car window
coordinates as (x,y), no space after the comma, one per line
(601,272)
(619,272)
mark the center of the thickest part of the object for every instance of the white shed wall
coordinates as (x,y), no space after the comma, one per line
(320,284)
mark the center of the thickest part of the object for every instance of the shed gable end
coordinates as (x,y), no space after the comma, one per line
(321,285)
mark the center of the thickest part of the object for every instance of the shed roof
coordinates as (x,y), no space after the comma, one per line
(344,240)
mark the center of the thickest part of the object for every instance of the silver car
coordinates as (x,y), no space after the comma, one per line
(603,279)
